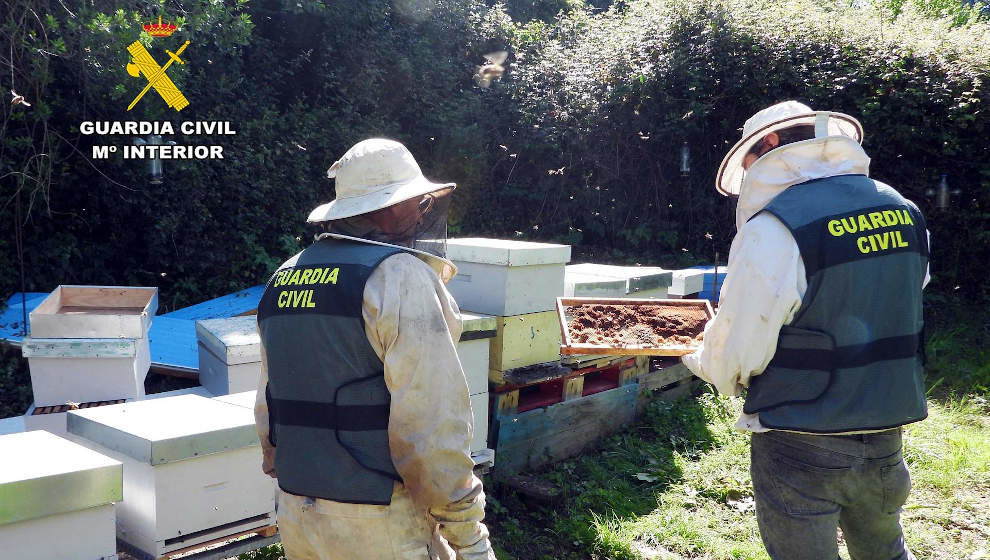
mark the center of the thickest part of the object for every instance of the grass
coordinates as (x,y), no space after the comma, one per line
(677,487)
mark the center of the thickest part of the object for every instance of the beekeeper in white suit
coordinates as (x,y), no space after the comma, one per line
(363,409)
(820,323)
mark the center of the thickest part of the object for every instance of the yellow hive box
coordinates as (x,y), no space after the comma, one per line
(523,340)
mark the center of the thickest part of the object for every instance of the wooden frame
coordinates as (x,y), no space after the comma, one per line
(569,347)
(95,312)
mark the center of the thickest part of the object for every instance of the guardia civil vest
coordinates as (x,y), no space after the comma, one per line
(327,398)
(851,360)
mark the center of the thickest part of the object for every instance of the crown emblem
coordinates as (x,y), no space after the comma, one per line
(160,29)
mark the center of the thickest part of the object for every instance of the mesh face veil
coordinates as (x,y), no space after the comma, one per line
(431,233)
(428,234)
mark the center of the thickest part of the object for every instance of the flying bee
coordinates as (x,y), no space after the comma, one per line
(18,99)
(491,70)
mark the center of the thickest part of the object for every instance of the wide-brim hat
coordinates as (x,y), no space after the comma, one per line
(729,179)
(373,174)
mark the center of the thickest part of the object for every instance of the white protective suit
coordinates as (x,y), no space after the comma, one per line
(765,280)
(413,324)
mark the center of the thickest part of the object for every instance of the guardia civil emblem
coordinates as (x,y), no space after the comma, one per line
(143,64)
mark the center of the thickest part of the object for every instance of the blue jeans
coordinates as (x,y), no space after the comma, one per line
(807,485)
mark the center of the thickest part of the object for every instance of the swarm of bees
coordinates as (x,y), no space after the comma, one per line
(491,70)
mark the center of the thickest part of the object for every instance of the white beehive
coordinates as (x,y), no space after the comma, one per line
(473,349)
(479,408)
(56,499)
(192,470)
(590,285)
(85,370)
(635,281)
(229,354)
(505,277)
(90,343)
(687,282)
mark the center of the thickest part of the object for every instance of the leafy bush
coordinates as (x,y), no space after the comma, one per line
(606,101)
(299,81)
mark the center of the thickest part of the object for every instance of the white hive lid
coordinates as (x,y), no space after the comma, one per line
(245,399)
(637,278)
(506,252)
(42,474)
(166,430)
(235,340)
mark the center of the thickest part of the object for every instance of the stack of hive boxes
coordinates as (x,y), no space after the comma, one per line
(56,499)
(88,346)
(517,282)
(191,470)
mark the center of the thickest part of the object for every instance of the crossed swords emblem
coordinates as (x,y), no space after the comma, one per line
(157,78)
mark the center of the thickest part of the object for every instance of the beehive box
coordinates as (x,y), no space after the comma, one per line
(473,349)
(577,284)
(192,470)
(627,281)
(505,277)
(229,354)
(687,282)
(523,340)
(90,343)
(479,409)
(56,499)
(86,369)
(95,312)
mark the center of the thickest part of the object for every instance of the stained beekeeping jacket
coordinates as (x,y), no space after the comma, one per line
(821,296)
(363,409)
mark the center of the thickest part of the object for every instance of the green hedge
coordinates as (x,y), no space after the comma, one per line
(606,101)
(579,142)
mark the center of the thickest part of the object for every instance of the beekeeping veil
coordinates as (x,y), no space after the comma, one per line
(376,174)
(772,119)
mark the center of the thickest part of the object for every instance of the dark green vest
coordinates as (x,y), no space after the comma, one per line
(852,358)
(327,397)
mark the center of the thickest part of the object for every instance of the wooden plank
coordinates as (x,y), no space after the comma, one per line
(573,388)
(507,403)
(659,379)
(144,299)
(643,364)
(538,437)
(528,375)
